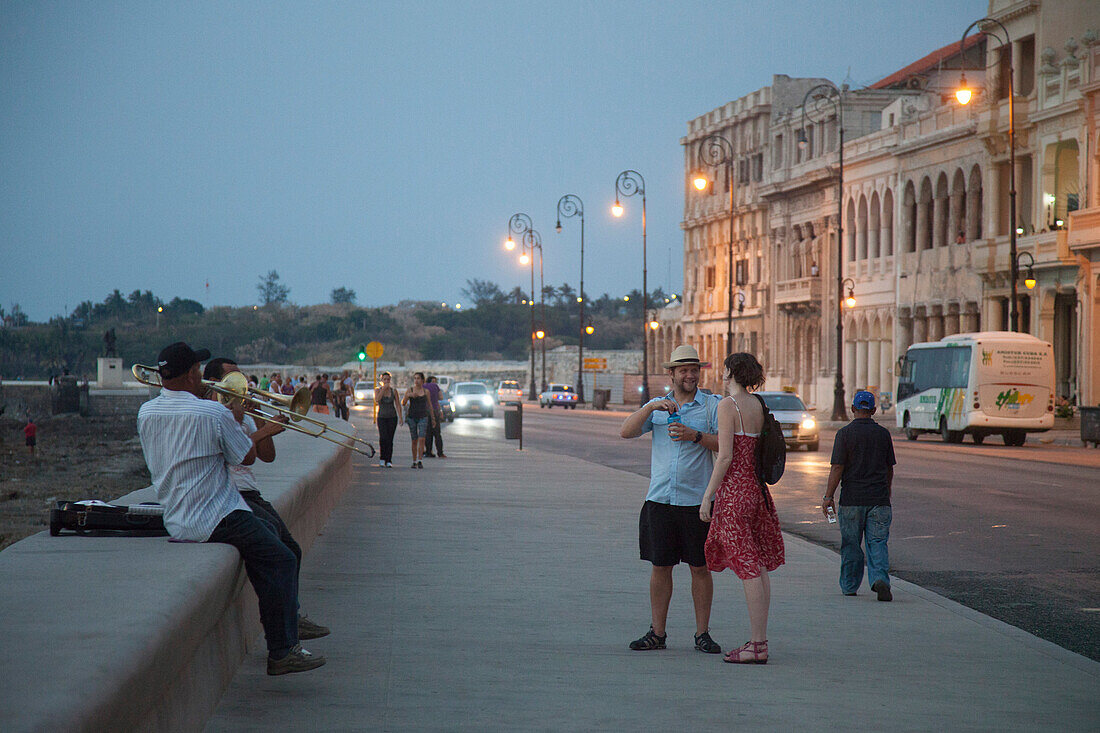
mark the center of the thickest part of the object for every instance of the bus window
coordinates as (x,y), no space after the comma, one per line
(941,367)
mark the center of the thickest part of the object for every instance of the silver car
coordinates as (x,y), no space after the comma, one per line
(799,426)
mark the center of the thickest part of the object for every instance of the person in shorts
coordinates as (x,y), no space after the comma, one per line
(30,432)
(684,424)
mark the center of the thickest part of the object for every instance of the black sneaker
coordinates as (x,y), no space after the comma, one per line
(648,642)
(704,643)
(883,590)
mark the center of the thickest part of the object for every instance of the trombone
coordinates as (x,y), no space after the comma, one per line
(233,388)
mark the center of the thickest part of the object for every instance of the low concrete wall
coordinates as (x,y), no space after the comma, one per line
(137,633)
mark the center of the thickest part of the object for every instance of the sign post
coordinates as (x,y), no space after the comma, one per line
(374,351)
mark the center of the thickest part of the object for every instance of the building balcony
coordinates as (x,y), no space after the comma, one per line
(802,292)
(1084,229)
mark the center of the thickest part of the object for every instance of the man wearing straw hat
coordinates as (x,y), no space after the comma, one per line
(684,424)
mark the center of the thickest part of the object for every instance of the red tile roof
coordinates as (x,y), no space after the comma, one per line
(927,63)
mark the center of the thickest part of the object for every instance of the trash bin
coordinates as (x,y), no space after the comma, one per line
(513,423)
(600,398)
(1090,425)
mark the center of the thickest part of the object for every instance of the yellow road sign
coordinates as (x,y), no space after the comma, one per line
(595,363)
(374,350)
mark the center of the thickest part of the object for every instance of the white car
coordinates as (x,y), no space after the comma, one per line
(472,397)
(799,426)
(364,393)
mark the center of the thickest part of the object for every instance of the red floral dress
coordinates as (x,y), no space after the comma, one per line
(744,533)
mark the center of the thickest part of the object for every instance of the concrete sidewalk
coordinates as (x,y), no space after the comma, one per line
(498,590)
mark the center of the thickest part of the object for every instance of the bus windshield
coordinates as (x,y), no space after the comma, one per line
(941,366)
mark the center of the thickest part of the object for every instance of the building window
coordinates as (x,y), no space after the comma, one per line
(777,153)
(710,277)
(758,167)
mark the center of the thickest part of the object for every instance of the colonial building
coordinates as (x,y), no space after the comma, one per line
(924,208)
(709,263)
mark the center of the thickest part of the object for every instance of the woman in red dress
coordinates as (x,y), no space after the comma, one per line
(744,531)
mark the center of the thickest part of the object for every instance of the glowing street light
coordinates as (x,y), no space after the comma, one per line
(524,259)
(850,301)
(509,244)
(617,209)
(700,181)
(540,334)
(964,93)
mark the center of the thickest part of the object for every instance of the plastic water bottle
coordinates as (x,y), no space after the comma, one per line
(831,515)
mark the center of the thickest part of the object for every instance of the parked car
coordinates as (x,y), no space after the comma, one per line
(509,392)
(559,394)
(364,393)
(472,397)
(445,383)
(799,426)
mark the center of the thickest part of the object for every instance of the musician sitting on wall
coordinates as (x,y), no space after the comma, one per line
(245,481)
(189,443)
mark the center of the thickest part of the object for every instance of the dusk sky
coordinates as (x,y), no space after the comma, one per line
(380,146)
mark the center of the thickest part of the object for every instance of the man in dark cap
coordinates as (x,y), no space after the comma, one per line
(863,467)
(189,443)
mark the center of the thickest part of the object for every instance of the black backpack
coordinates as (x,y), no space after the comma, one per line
(771,448)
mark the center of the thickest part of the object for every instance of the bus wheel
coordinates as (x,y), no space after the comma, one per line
(978,438)
(910,433)
(949,436)
(1014,437)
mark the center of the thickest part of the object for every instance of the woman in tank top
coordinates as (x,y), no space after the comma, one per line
(389,415)
(418,417)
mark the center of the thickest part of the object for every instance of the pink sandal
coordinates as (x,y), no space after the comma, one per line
(753,652)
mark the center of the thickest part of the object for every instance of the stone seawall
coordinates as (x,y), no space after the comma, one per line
(139,633)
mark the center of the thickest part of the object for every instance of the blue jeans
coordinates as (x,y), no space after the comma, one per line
(860,525)
(418,426)
(273,571)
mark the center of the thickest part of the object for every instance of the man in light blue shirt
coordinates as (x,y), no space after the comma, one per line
(684,424)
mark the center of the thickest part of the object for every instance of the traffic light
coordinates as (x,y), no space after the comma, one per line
(362,353)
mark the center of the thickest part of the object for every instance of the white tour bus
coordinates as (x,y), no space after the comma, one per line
(977,383)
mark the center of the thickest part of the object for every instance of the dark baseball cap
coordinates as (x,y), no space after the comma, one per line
(863,400)
(175,359)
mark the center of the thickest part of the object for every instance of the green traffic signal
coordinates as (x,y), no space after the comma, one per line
(362,353)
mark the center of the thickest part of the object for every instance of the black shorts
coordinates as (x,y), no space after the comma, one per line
(668,534)
(31,442)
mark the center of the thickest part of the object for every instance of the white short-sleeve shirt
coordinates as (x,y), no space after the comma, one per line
(188,444)
(242,476)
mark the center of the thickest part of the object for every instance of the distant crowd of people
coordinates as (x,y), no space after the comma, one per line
(335,391)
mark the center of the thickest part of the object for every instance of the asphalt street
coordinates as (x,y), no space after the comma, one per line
(1009,532)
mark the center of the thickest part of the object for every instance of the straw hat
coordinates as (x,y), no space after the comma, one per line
(683,356)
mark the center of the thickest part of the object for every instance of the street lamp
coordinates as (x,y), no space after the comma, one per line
(571,205)
(964,94)
(833,96)
(714,151)
(1029,278)
(521,224)
(630,183)
(532,241)
(850,299)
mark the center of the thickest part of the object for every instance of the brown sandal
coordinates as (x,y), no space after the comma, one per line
(753,652)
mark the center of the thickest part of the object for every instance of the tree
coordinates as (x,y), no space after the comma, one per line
(17,317)
(272,292)
(185,305)
(483,292)
(343,295)
(516,295)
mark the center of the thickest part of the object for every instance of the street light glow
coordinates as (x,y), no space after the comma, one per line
(540,334)
(654,325)
(626,297)
(524,259)
(590,330)
(700,182)
(1029,281)
(964,93)
(617,209)
(509,244)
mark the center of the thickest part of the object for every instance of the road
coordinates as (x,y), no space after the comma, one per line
(1009,532)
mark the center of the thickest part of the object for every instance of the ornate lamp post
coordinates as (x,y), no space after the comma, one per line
(630,183)
(714,151)
(571,205)
(964,95)
(532,241)
(834,97)
(520,224)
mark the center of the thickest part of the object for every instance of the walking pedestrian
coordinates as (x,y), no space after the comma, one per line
(684,424)
(30,432)
(319,396)
(744,531)
(389,415)
(339,397)
(419,416)
(863,466)
(435,431)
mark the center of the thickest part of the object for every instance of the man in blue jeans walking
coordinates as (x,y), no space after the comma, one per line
(863,466)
